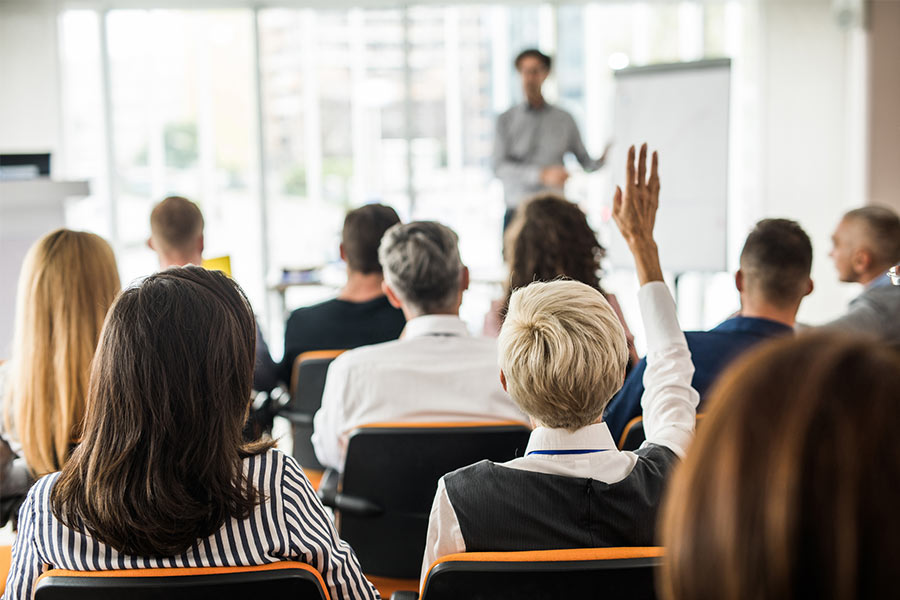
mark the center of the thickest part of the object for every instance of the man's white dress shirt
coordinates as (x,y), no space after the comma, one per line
(669,404)
(435,372)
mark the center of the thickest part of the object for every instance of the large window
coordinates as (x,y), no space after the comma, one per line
(278,120)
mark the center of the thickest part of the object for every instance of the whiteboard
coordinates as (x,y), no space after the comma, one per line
(680,110)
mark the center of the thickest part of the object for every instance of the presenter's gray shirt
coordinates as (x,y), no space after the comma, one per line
(530,139)
(876,311)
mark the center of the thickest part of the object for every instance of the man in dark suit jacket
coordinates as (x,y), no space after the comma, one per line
(772,281)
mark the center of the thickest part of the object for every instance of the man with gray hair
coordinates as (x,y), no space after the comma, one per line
(866,244)
(436,371)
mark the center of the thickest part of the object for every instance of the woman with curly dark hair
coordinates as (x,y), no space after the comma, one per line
(550,238)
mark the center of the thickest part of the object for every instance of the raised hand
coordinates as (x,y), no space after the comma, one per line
(635,214)
(635,211)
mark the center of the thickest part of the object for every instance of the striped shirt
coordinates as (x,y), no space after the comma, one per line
(290,524)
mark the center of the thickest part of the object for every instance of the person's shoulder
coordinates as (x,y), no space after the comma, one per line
(40,491)
(470,473)
(886,294)
(365,355)
(315,310)
(654,460)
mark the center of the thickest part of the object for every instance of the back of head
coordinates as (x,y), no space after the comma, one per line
(421,264)
(548,238)
(363,230)
(790,489)
(175,225)
(160,462)
(68,281)
(881,233)
(776,262)
(563,352)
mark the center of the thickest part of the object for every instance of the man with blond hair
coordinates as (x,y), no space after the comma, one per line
(866,244)
(562,357)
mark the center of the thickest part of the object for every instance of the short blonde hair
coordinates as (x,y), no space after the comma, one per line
(563,352)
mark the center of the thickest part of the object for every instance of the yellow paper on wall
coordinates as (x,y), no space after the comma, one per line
(219,263)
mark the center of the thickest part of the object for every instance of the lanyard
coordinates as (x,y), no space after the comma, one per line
(590,451)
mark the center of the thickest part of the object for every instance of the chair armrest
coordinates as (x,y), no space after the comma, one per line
(356,506)
(328,487)
(353,505)
(405,596)
(296,418)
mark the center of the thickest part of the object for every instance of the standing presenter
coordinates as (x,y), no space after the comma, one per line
(533,137)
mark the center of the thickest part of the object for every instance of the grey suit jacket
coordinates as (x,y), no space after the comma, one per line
(876,311)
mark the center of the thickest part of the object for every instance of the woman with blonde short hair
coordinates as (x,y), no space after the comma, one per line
(550,238)
(562,356)
(68,281)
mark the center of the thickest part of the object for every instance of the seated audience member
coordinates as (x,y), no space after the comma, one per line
(361,314)
(772,280)
(791,489)
(176,235)
(162,477)
(549,238)
(68,281)
(866,245)
(562,357)
(436,372)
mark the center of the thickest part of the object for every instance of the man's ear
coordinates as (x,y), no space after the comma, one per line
(391,296)
(150,243)
(464,279)
(200,244)
(503,380)
(861,261)
(809,287)
(343,254)
(739,280)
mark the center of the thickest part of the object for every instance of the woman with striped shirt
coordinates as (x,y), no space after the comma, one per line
(162,477)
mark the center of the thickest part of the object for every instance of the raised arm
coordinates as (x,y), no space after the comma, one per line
(669,402)
(576,147)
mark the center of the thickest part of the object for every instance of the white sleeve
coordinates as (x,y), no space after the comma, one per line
(444,535)
(669,401)
(328,423)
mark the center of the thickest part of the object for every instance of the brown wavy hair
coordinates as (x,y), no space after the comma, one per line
(549,238)
(791,487)
(160,463)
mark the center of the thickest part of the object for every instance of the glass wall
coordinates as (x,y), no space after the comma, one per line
(278,120)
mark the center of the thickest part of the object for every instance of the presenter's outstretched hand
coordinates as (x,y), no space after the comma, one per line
(635,214)
(554,176)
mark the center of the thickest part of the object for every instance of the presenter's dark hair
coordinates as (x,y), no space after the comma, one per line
(533,53)
(791,488)
(548,238)
(363,229)
(776,260)
(160,461)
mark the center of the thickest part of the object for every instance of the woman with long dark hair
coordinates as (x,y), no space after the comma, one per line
(162,476)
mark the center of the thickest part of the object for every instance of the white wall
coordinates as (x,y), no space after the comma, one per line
(811,127)
(29,98)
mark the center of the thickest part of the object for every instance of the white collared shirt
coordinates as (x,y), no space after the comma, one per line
(435,372)
(669,403)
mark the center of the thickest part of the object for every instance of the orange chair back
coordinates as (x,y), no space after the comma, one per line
(610,573)
(282,579)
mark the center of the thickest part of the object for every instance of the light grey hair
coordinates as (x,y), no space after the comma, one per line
(421,264)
